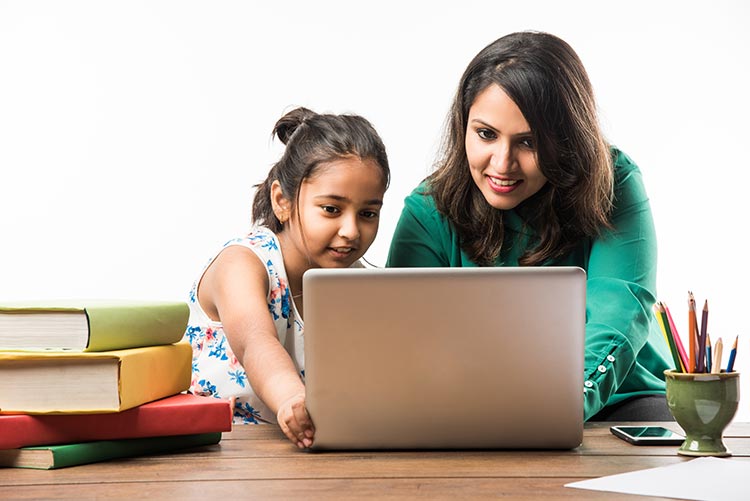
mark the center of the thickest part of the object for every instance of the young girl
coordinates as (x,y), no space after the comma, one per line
(526,178)
(318,208)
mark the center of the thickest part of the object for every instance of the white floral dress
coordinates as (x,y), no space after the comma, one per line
(216,371)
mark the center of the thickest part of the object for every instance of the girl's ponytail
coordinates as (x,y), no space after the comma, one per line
(313,139)
(288,124)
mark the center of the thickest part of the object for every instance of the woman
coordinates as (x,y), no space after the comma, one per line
(526,178)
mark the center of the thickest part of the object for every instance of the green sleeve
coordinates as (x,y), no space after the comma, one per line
(621,290)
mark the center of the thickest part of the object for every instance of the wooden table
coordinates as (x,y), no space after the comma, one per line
(257,462)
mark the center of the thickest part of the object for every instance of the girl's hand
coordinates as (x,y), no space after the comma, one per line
(295,422)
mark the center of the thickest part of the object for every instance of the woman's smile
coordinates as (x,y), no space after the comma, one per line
(503,185)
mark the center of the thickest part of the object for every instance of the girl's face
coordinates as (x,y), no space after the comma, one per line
(337,215)
(501,151)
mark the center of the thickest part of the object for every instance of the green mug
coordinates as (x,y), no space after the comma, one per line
(703,405)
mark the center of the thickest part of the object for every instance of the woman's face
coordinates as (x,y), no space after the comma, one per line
(501,151)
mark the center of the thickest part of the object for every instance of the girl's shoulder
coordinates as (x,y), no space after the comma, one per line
(259,238)
(264,243)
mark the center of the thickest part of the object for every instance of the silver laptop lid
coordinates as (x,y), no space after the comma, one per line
(410,358)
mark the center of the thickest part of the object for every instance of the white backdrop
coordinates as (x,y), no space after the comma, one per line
(132,132)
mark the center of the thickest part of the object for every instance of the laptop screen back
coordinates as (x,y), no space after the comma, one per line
(412,358)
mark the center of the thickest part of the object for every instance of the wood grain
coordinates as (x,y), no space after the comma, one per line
(257,461)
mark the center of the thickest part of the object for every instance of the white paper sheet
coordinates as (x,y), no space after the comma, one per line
(704,479)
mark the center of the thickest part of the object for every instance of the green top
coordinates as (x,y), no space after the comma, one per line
(625,350)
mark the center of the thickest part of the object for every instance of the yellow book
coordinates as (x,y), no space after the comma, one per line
(91,382)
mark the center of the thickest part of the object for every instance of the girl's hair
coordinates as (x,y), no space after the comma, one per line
(313,139)
(545,78)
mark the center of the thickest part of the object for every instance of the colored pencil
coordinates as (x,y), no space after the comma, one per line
(661,317)
(732,355)
(702,335)
(716,365)
(709,360)
(660,321)
(692,323)
(677,341)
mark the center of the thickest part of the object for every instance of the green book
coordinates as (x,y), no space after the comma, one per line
(93,325)
(50,457)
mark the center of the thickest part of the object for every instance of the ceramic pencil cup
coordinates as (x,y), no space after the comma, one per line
(703,405)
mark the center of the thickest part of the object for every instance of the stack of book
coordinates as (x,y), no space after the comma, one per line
(87,383)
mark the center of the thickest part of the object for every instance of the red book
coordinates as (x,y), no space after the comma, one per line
(180,414)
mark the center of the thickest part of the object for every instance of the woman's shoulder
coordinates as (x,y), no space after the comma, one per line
(421,209)
(623,165)
(629,188)
(421,202)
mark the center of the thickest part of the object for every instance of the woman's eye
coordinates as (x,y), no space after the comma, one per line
(486,134)
(330,209)
(527,143)
(369,214)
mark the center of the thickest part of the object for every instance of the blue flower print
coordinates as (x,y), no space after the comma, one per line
(192,333)
(285,304)
(245,413)
(207,387)
(270,244)
(272,310)
(254,237)
(219,350)
(236,240)
(276,303)
(238,377)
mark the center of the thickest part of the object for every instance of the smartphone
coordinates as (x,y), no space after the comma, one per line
(647,435)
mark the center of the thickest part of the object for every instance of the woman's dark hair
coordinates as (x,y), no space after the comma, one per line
(313,139)
(547,81)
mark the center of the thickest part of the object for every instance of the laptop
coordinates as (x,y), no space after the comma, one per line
(445,358)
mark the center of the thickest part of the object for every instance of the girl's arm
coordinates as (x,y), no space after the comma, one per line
(233,290)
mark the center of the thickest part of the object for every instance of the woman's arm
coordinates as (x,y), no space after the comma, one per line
(233,290)
(621,290)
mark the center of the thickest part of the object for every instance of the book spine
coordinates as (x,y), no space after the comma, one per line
(92,452)
(178,414)
(151,373)
(121,327)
